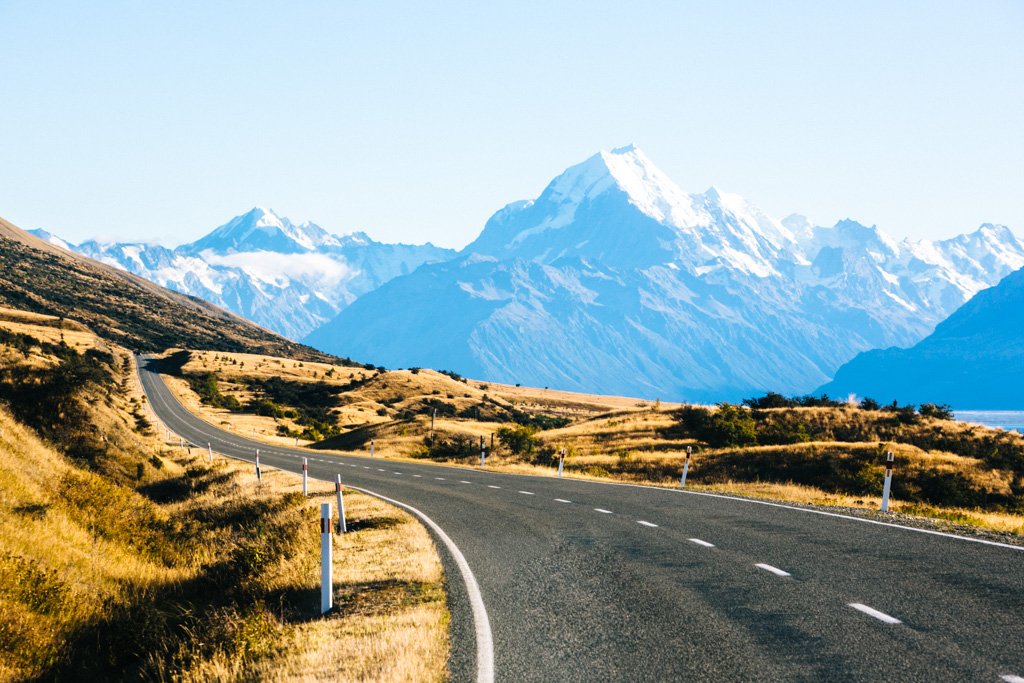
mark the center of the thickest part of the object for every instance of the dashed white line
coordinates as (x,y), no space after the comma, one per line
(492,486)
(603,511)
(773,570)
(365,467)
(881,616)
(463,481)
(526,493)
(1010,678)
(650,524)
(397,472)
(418,476)
(379,469)
(700,542)
(439,478)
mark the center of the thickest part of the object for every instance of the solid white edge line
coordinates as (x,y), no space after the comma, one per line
(773,570)
(701,543)
(650,524)
(871,611)
(481,622)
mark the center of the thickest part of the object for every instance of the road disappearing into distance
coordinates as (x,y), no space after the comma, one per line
(587,581)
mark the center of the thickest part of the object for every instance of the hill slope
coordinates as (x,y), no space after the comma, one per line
(973,360)
(123,308)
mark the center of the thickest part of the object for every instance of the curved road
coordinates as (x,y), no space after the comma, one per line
(585,581)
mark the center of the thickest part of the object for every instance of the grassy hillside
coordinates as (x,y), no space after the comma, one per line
(831,454)
(120,307)
(123,557)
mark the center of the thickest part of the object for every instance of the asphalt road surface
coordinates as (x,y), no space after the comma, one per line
(584,581)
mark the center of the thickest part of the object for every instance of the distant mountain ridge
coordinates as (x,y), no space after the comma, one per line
(289,278)
(131,311)
(973,360)
(615,280)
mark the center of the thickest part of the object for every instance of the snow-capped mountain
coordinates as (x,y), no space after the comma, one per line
(616,280)
(289,278)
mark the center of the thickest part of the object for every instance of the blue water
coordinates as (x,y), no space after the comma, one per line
(1004,419)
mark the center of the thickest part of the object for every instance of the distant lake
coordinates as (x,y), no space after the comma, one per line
(1005,419)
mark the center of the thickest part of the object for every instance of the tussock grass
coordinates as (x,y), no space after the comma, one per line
(123,558)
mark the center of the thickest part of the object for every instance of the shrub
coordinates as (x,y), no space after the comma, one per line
(939,412)
(519,440)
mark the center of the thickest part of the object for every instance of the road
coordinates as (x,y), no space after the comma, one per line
(584,581)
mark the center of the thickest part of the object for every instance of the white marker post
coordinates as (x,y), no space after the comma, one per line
(433,416)
(371,448)
(259,475)
(305,477)
(686,467)
(561,461)
(483,453)
(181,442)
(326,568)
(342,525)
(209,449)
(888,481)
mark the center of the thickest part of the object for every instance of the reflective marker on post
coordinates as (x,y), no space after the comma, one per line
(326,574)
(305,477)
(342,526)
(889,458)
(561,461)
(686,467)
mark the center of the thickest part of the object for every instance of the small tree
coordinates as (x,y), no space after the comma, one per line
(939,411)
(519,440)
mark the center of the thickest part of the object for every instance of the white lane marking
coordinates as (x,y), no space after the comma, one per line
(603,511)
(562,500)
(492,486)
(700,542)
(526,493)
(650,524)
(463,481)
(397,472)
(379,469)
(881,616)
(365,467)
(1010,678)
(481,622)
(773,570)
(418,476)
(439,478)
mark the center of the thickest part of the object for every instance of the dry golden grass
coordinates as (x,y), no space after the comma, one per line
(71,568)
(50,329)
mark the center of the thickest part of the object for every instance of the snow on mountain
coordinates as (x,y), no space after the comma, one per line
(616,280)
(289,278)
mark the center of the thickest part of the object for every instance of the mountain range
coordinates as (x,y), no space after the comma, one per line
(288,278)
(615,280)
(973,360)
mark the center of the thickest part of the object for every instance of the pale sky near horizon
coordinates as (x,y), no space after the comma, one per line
(161,121)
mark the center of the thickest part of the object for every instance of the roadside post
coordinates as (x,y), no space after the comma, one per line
(209,449)
(483,453)
(326,569)
(686,467)
(889,458)
(433,416)
(259,475)
(371,448)
(305,477)
(561,461)
(342,525)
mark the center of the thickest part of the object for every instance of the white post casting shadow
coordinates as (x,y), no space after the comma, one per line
(888,481)
(326,568)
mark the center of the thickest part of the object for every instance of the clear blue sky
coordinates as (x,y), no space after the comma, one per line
(163,120)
